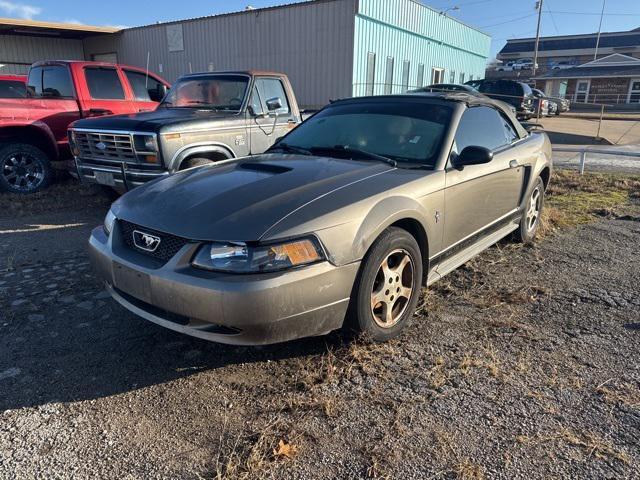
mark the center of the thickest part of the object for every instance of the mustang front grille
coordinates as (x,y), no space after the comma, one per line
(105,146)
(169,244)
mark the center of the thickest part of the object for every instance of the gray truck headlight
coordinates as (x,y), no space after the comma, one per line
(242,258)
(145,143)
(109,220)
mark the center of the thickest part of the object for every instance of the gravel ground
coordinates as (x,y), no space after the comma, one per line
(525,363)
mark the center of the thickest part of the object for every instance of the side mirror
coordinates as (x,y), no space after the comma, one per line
(473,155)
(274,104)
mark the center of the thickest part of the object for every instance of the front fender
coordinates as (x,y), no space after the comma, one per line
(384,214)
(201,148)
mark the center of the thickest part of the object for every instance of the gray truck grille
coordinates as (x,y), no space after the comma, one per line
(105,146)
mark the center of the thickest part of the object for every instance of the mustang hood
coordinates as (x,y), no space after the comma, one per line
(241,199)
(152,121)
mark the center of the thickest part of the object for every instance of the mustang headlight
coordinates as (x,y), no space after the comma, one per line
(145,143)
(109,220)
(242,258)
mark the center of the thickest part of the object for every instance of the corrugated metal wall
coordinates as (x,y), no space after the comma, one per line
(18,52)
(310,42)
(409,31)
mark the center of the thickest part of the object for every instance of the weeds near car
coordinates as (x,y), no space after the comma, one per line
(574,199)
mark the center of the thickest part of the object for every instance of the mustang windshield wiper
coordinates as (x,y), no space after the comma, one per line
(357,153)
(290,148)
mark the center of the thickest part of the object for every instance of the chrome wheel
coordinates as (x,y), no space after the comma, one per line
(533,210)
(23,172)
(392,288)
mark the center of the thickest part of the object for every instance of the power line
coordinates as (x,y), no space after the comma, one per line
(596,14)
(509,21)
(553,20)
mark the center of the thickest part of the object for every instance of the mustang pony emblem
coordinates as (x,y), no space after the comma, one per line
(145,241)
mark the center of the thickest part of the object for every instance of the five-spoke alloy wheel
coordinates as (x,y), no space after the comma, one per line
(532,213)
(388,286)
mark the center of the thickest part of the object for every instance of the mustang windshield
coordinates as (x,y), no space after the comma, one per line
(222,92)
(401,131)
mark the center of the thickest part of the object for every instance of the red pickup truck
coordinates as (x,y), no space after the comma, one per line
(13,86)
(33,130)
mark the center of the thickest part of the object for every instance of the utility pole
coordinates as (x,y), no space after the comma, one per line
(595,55)
(535,55)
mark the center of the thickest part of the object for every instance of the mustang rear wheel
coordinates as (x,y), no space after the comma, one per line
(530,222)
(24,168)
(388,287)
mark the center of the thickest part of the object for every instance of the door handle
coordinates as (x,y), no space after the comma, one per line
(514,164)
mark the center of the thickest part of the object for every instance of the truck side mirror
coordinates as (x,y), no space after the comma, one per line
(274,104)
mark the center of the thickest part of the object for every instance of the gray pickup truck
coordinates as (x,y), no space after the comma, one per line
(205,117)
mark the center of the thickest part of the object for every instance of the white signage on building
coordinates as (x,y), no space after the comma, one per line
(175,40)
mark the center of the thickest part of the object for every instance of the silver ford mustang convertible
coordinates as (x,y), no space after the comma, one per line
(340,224)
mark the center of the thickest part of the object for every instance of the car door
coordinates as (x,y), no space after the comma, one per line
(146,89)
(106,94)
(479,196)
(264,126)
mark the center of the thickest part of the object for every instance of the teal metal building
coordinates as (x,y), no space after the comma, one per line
(403,44)
(328,48)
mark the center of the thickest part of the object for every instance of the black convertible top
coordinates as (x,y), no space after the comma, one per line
(469,99)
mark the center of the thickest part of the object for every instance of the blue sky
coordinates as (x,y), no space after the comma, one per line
(501,18)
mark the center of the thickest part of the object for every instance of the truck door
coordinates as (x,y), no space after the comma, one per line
(264,126)
(53,87)
(147,90)
(105,93)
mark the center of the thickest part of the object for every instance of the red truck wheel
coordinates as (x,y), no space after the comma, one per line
(24,168)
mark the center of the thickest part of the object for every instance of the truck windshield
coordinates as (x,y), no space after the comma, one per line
(407,132)
(223,92)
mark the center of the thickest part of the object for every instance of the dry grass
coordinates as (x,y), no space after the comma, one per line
(592,445)
(574,199)
(626,394)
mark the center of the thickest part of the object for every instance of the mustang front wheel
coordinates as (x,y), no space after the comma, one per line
(388,288)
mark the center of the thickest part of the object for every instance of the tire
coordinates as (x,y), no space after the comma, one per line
(24,169)
(526,232)
(370,320)
(195,162)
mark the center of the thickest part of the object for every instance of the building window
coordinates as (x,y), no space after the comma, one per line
(452,76)
(420,81)
(405,75)
(461,78)
(371,73)
(437,75)
(388,76)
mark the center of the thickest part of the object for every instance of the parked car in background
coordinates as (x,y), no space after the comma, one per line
(205,118)
(33,130)
(524,64)
(562,65)
(13,86)
(505,67)
(559,104)
(339,224)
(453,87)
(517,94)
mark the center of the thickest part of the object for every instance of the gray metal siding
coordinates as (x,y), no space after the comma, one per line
(18,52)
(311,42)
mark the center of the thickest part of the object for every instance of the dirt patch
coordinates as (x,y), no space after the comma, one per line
(524,363)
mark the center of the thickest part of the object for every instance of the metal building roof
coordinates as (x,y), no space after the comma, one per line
(574,42)
(15,26)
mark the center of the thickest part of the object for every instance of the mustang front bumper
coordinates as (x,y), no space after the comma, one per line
(241,309)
